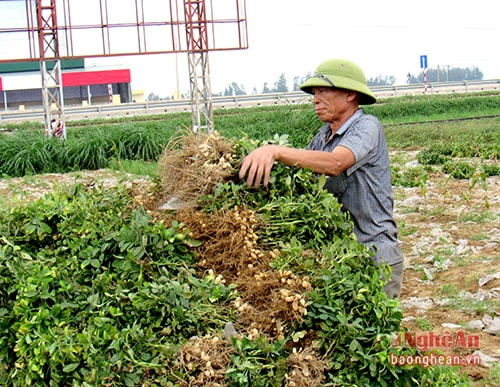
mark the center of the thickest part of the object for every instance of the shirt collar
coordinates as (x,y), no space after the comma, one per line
(348,123)
(326,131)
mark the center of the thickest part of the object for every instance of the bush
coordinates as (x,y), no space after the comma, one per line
(459,170)
(432,156)
(411,177)
(92,290)
(491,169)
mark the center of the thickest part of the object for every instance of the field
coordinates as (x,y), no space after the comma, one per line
(447,205)
(450,238)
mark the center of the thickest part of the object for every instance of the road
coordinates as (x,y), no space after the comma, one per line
(170,106)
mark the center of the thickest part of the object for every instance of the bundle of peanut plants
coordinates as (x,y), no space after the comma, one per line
(241,287)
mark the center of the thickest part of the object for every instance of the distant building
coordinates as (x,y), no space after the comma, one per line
(21,84)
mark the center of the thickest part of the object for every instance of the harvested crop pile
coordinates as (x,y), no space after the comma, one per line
(310,308)
(205,360)
(229,248)
(268,299)
(230,286)
(192,166)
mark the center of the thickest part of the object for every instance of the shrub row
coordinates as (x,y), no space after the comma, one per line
(93,144)
(29,152)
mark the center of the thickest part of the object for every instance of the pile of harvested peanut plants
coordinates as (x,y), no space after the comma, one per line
(308,305)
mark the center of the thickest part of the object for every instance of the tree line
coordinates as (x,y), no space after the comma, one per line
(445,74)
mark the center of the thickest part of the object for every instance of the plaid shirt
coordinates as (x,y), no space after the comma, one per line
(365,189)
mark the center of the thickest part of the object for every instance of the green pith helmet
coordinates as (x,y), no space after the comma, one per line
(342,74)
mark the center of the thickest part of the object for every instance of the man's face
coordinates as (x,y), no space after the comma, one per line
(330,103)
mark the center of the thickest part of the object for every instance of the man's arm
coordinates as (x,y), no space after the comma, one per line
(258,163)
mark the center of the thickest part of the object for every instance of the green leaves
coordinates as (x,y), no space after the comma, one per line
(94,290)
(257,363)
(295,206)
(91,287)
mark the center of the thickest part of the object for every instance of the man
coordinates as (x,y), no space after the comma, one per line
(351,150)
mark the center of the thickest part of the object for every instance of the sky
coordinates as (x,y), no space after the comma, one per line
(291,37)
(384,37)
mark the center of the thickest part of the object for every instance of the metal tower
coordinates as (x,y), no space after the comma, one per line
(199,69)
(96,28)
(50,68)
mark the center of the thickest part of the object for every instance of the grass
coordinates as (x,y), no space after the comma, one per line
(405,229)
(451,133)
(479,237)
(434,211)
(95,144)
(424,109)
(135,167)
(449,290)
(494,375)
(476,307)
(465,302)
(477,217)
(424,324)
(470,303)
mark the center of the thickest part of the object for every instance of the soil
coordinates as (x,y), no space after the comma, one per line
(450,235)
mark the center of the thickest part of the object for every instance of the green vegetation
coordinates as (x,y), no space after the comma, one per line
(92,290)
(429,123)
(28,152)
(426,108)
(410,177)
(95,289)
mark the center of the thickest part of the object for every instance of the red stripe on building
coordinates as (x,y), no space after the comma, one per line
(95,77)
(1,87)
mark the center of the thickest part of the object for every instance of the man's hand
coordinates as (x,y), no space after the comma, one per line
(258,164)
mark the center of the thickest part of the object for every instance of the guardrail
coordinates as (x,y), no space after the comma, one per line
(227,102)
